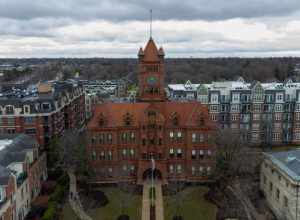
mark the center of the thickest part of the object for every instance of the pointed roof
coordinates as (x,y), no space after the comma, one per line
(161,51)
(151,51)
(141,52)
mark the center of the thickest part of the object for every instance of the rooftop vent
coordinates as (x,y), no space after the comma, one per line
(45,88)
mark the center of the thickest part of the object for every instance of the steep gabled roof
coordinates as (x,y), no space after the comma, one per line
(188,113)
(151,53)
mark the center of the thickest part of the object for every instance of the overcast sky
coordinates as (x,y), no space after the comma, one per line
(117,28)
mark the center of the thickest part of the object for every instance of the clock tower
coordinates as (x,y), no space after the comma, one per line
(151,73)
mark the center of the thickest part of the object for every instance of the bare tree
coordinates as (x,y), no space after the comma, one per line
(68,152)
(231,153)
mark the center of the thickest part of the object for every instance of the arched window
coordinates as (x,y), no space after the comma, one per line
(201,119)
(128,119)
(101,120)
(175,119)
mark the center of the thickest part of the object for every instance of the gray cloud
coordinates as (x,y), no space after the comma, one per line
(120,10)
(116,28)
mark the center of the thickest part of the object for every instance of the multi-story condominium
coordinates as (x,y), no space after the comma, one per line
(125,137)
(280,182)
(264,113)
(43,111)
(22,169)
(105,88)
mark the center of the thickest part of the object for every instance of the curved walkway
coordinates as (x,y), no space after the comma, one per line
(74,199)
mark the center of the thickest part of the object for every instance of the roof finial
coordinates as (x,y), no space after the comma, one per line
(150,23)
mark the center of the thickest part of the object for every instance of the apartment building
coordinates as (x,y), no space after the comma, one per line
(42,111)
(105,88)
(264,113)
(280,182)
(22,169)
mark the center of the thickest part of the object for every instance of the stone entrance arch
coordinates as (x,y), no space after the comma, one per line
(157,175)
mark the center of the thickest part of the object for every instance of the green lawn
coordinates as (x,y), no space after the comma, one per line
(112,210)
(68,213)
(284,148)
(192,205)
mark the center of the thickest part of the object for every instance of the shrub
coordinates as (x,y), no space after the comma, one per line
(51,211)
(58,194)
(177,217)
(63,180)
(100,197)
(123,217)
(152,193)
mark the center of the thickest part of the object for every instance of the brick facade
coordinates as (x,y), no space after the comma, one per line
(45,114)
(125,137)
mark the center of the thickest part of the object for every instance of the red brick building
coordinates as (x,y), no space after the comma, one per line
(43,113)
(124,137)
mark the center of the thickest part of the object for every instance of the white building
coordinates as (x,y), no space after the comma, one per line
(280,181)
(91,99)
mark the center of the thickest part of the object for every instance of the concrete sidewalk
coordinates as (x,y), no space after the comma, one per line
(74,199)
(159,207)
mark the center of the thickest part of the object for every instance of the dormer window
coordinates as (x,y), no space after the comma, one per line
(175,119)
(9,109)
(37,106)
(127,119)
(46,106)
(101,120)
(26,109)
(201,119)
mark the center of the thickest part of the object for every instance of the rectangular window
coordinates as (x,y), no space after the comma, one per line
(179,153)
(171,134)
(124,153)
(193,171)
(29,120)
(194,154)
(285,201)
(179,169)
(9,110)
(94,156)
(109,155)
(46,106)
(11,121)
(194,137)
(256,117)
(213,117)
(171,169)
(171,152)
(277,194)
(208,169)
(26,109)
(30,131)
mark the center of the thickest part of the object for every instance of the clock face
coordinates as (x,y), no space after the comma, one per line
(151,80)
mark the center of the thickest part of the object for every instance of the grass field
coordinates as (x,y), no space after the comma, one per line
(112,210)
(193,205)
(284,148)
(68,213)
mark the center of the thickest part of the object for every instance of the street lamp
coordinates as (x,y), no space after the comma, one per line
(152,179)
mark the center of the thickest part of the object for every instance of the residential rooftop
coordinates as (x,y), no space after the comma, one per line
(288,162)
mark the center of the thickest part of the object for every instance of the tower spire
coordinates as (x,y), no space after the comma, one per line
(150,23)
